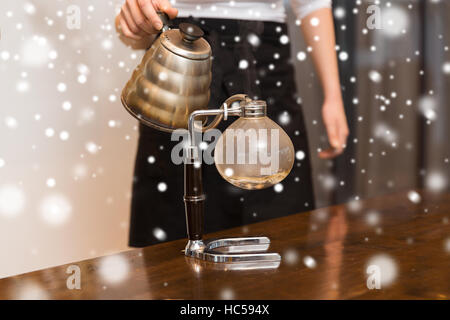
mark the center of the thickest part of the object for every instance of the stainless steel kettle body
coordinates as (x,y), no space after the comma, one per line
(172,79)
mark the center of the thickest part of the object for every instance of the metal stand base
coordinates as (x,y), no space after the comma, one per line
(231,250)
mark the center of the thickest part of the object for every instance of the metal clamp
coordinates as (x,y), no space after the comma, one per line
(232,250)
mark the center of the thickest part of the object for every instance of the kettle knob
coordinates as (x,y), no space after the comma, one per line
(190,32)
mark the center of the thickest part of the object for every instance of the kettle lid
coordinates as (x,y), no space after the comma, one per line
(187,42)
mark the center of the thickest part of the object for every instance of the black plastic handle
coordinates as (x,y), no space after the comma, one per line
(164,19)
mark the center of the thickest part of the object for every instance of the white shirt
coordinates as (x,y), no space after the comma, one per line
(247,10)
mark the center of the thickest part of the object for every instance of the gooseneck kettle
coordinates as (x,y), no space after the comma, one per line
(172,79)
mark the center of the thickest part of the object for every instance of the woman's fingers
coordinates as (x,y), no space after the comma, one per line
(125,30)
(148,9)
(337,130)
(337,135)
(344,132)
(165,6)
(329,153)
(333,135)
(130,21)
(138,17)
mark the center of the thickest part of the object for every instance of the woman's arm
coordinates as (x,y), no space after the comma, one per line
(137,23)
(318,31)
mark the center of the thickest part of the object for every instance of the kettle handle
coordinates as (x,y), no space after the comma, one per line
(228,103)
(164,19)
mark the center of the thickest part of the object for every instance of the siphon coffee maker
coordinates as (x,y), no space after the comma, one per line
(169,90)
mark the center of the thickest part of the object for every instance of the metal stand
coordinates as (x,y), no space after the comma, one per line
(235,250)
(247,250)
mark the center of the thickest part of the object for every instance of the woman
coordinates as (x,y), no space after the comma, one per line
(251,55)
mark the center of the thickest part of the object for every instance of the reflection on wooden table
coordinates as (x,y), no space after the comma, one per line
(326,254)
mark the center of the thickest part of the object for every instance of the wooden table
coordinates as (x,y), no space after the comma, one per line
(325,255)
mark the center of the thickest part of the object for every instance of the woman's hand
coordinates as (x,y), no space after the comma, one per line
(320,37)
(335,122)
(138,21)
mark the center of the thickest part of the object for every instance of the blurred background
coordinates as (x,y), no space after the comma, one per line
(67,146)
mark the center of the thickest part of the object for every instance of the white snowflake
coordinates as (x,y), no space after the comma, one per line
(395,21)
(343,56)
(159,234)
(300,155)
(291,257)
(301,56)
(11,122)
(414,197)
(436,181)
(51,182)
(162,187)
(284,39)
(243,64)
(35,52)
(66,105)
(375,76)
(253,39)
(314,21)
(92,147)
(22,86)
(387,267)
(373,218)
(278,187)
(12,200)
(114,269)
(446,68)
(310,262)
(55,209)
(61,87)
(339,13)
(229,172)
(227,294)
